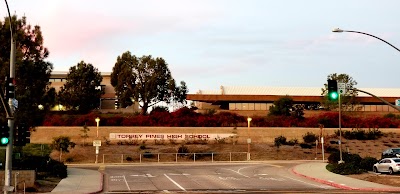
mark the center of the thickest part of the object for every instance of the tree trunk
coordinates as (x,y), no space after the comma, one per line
(144,108)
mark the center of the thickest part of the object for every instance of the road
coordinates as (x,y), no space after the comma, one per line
(214,177)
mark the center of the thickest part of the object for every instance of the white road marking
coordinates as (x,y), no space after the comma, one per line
(126,182)
(228,178)
(238,171)
(271,178)
(143,175)
(183,174)
(261,175)
(183,189)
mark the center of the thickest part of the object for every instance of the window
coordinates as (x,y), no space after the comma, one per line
(238,106)
(245,106)
(251,106)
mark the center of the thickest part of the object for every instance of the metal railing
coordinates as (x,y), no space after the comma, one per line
(174,157)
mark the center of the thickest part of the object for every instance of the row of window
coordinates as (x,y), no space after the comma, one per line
(249,106)
(54,80)
(265,106)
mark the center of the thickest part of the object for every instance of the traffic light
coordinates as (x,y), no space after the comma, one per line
(10,88)
(333,94)
(4,135)
(116,103)
(22,135)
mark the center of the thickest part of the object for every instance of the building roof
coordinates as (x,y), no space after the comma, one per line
(292,91)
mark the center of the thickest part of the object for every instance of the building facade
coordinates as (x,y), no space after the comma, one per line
(250,101)
(107,101)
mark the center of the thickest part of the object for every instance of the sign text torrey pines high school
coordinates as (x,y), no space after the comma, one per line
(176,136)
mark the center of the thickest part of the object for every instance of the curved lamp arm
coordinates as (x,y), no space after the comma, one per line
(340,30)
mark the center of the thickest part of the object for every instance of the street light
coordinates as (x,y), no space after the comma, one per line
(340,31)
(97,138)
(248,139)
(97,121)
(9,148)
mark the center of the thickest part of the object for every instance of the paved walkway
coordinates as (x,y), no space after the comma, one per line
(80,181)
(91,181)
(317,171)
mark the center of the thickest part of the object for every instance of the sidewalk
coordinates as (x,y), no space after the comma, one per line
(317,171)
(80,181)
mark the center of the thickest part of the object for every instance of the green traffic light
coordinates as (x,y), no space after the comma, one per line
(334,95)
(4,141)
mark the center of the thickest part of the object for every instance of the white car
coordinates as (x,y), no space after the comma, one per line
(389,165)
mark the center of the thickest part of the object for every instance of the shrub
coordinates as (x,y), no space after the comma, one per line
(183,149)
(367,163)
(310,137)
(57,169)
(306,146)
(142,146)
(129,159)
(361,134)
(334,158)
(281,140)
(344,168)
(330,149)
(292,142)
(147,155)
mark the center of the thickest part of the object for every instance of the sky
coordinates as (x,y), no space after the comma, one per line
(209,43)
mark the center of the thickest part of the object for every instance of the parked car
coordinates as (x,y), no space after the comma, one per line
(391,153)
(389,165)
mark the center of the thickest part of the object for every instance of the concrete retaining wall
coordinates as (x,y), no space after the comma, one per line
(44,135)
(27,176)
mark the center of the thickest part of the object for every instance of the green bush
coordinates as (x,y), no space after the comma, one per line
(292,142)
(281,140)
(310,137)
(330,149)
(57,169)
(334,158)
(361,134)
(148,155)
(129,159)
(38,163)
(183,149)
(306,146)
(367,163)
(36,150)
(345,168)
(142,146)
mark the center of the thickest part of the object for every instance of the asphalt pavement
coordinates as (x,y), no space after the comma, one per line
(91,181)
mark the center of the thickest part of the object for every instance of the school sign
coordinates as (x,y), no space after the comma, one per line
(167,136)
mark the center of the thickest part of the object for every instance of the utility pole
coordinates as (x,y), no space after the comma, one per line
(9,149)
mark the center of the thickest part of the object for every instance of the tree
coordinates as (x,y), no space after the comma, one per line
(80,92)
(348,100)
(62,144)
(32,72)
(146,80)
(85,135)
(285,107)
(281,107)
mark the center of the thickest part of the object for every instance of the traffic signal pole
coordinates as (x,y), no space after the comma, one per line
(340,131)
(9,149)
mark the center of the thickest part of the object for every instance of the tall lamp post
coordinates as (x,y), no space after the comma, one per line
(9,148)
(340,30)
(248,139)
(97,139)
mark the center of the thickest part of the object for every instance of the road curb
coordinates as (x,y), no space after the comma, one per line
(342,186)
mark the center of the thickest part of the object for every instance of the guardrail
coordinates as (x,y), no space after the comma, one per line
(174,157)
